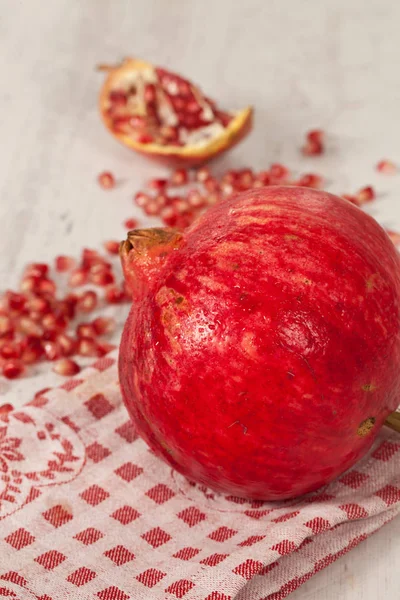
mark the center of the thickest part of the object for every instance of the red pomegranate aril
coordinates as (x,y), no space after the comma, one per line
(12,369)
(263,177)
(68,345)
(10,351)
(366,194)
(152,208)
(317,136)
(32,349)
(169,216)
(102,278)
(387,167)
(141,199)
(112,246)
(105,348)
(38,304)
(149,93)
(179,177)
(52,350)
(37,270)
(161,200)
(158,184)
(29,327)
(66,367)
(30,283)
(54,322)
(104,325)
(195,199)
(106,180)
(145,138)
(86,330)
(203,174)
(64,263)
(114,295)
(350,198)
(77,278)
(68,306)
(118,97)
(131,223)
(211,185)
(16,302)
(6,326)
(46,286)
(278,173)
(89,347)
(6,408)
(88,301)
(311,180)
(137,122)
(90,258)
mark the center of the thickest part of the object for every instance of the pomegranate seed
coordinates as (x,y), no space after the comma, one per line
(89,347)
(106,180)
(10,351)
(152,208)
(47,286)
(118,97)
(39,305)
(149,93)
(179,177)
(6,408)
(278,173)
(158,184)
(394,236)
(316,135)
(32,350)
(68,306)
(54,322)
(106,348)
(86,330)
(29,327)
(387,166)
(211,185)
(90,258)
(66,367)
(130,223)
(30,283)
(12,369)
(311,180)
(195,199)
(87,302)
(51,350)
(15,301)
(203,174)
(137,122)
(6,327)
(145,138)
(366,194)
(169,216)
(102,278)
(78,278)
(315,143)
(67,344)
(64,263)
(112,246)
(114,295)
(141,199)
(37,270)
(104,325)
(263,177)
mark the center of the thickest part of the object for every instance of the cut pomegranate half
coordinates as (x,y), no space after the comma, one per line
(158,113)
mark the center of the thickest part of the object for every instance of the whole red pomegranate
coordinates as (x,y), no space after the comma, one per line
(262,353)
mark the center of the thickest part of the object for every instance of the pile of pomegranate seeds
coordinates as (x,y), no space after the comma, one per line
(178,200)
(38,323)
(157,106)
(314,144)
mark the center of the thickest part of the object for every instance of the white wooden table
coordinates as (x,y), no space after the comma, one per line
(315,63)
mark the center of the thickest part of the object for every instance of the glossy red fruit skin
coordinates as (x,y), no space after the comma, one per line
(264,355)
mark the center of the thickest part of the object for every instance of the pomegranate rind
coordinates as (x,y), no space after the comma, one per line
(189,155)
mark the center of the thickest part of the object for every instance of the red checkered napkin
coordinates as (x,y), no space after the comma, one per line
(87,511)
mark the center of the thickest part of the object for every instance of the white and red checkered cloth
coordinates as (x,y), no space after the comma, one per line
(87,511)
